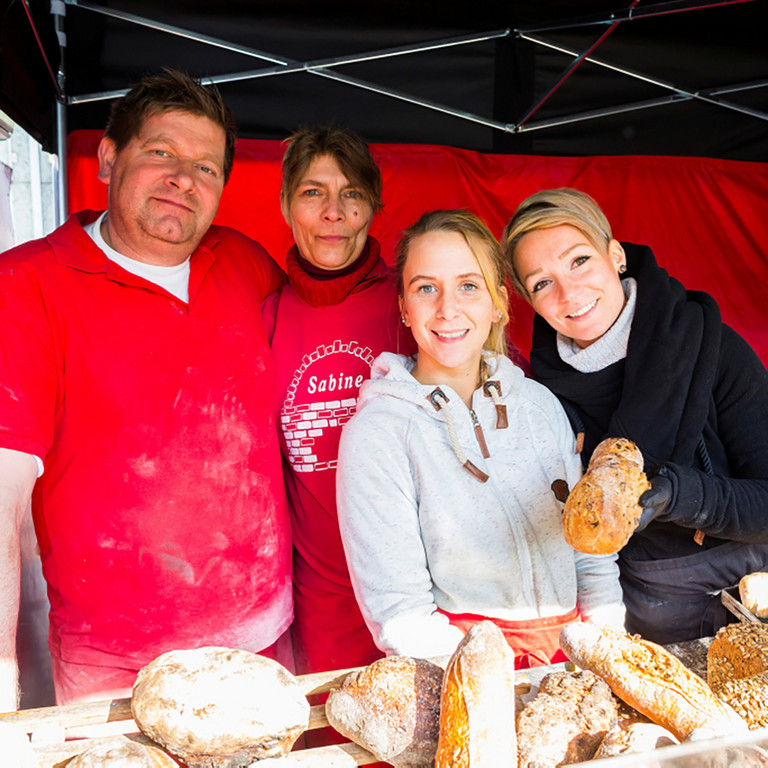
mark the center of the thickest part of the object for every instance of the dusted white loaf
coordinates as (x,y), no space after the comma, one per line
(219,707)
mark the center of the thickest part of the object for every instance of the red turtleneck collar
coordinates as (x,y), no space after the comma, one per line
(322,287)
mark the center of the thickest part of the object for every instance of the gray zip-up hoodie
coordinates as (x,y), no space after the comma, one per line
(421,532)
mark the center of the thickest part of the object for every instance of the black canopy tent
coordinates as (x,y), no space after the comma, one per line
(549,77)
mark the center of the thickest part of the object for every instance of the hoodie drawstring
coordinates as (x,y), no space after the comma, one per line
(492,389)
(439,400)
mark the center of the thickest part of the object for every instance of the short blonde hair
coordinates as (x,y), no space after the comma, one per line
(552,208)
(486,250)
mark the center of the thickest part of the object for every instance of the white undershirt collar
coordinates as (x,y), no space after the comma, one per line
(174,279)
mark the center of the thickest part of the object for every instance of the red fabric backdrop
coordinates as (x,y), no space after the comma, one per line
(706,220)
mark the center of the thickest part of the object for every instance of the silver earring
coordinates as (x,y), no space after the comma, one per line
(622,269)
(402,319)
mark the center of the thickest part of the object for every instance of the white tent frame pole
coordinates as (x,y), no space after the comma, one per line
(59,11)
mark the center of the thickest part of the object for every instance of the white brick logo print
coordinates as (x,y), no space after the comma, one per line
(332,373)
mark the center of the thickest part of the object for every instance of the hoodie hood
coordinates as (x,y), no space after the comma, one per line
(391,377)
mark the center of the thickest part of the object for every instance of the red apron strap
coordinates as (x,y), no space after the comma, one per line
(535,642)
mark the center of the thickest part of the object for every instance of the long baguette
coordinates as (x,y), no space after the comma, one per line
(650,679)
(477,704)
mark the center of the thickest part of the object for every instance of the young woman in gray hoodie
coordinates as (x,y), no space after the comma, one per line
(445,475)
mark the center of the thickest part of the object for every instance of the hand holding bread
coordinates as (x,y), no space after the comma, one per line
(602,510)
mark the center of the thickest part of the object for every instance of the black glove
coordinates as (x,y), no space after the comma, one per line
(657,500)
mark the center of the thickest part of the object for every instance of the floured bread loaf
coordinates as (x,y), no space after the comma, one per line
(737,650)
(566,721)
(753,591)
(634,738)
(218,707)
(122,753)
(648,678)
(392,708)
(602,512)
(477,704)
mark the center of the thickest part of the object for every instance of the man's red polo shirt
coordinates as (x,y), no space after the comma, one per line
(161,513)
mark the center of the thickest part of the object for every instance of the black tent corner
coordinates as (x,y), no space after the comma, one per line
(552,77)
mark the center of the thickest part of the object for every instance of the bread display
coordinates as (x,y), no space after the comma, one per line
(634,738)
(567,720)
(392,708)
(122,753)
(219,707)
(477,703)
(650,679)
(737,650)
(753,593)
(601,512)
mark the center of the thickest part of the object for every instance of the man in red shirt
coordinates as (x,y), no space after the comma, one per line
(135,411)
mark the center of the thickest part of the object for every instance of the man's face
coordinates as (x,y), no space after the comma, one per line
(164,186)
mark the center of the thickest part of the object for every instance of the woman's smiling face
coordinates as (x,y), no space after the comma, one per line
(447,305)
(570,283)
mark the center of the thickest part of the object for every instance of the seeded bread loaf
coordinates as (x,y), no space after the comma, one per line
(738,650)
(477,703)
(392,708)
(602,512)
(650,679)
(566,721)
(749,697)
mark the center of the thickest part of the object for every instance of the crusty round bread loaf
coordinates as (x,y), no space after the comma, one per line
(648,678)
(219,707)
(392,708)
(738,650)
(566,721)
(121,752)
(477,704)
(601,512)
(753,591)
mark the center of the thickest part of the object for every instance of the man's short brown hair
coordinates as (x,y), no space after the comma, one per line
(167,91)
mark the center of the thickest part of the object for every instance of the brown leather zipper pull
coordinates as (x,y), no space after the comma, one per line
(480,437)
(473,470)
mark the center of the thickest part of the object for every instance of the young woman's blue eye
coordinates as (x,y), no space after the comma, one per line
(426,288)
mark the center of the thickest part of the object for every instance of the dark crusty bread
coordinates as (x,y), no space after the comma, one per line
(477,705)
(737,650)
(392,708)
(566,721)
(650,679)
(219,707)
(602,512)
